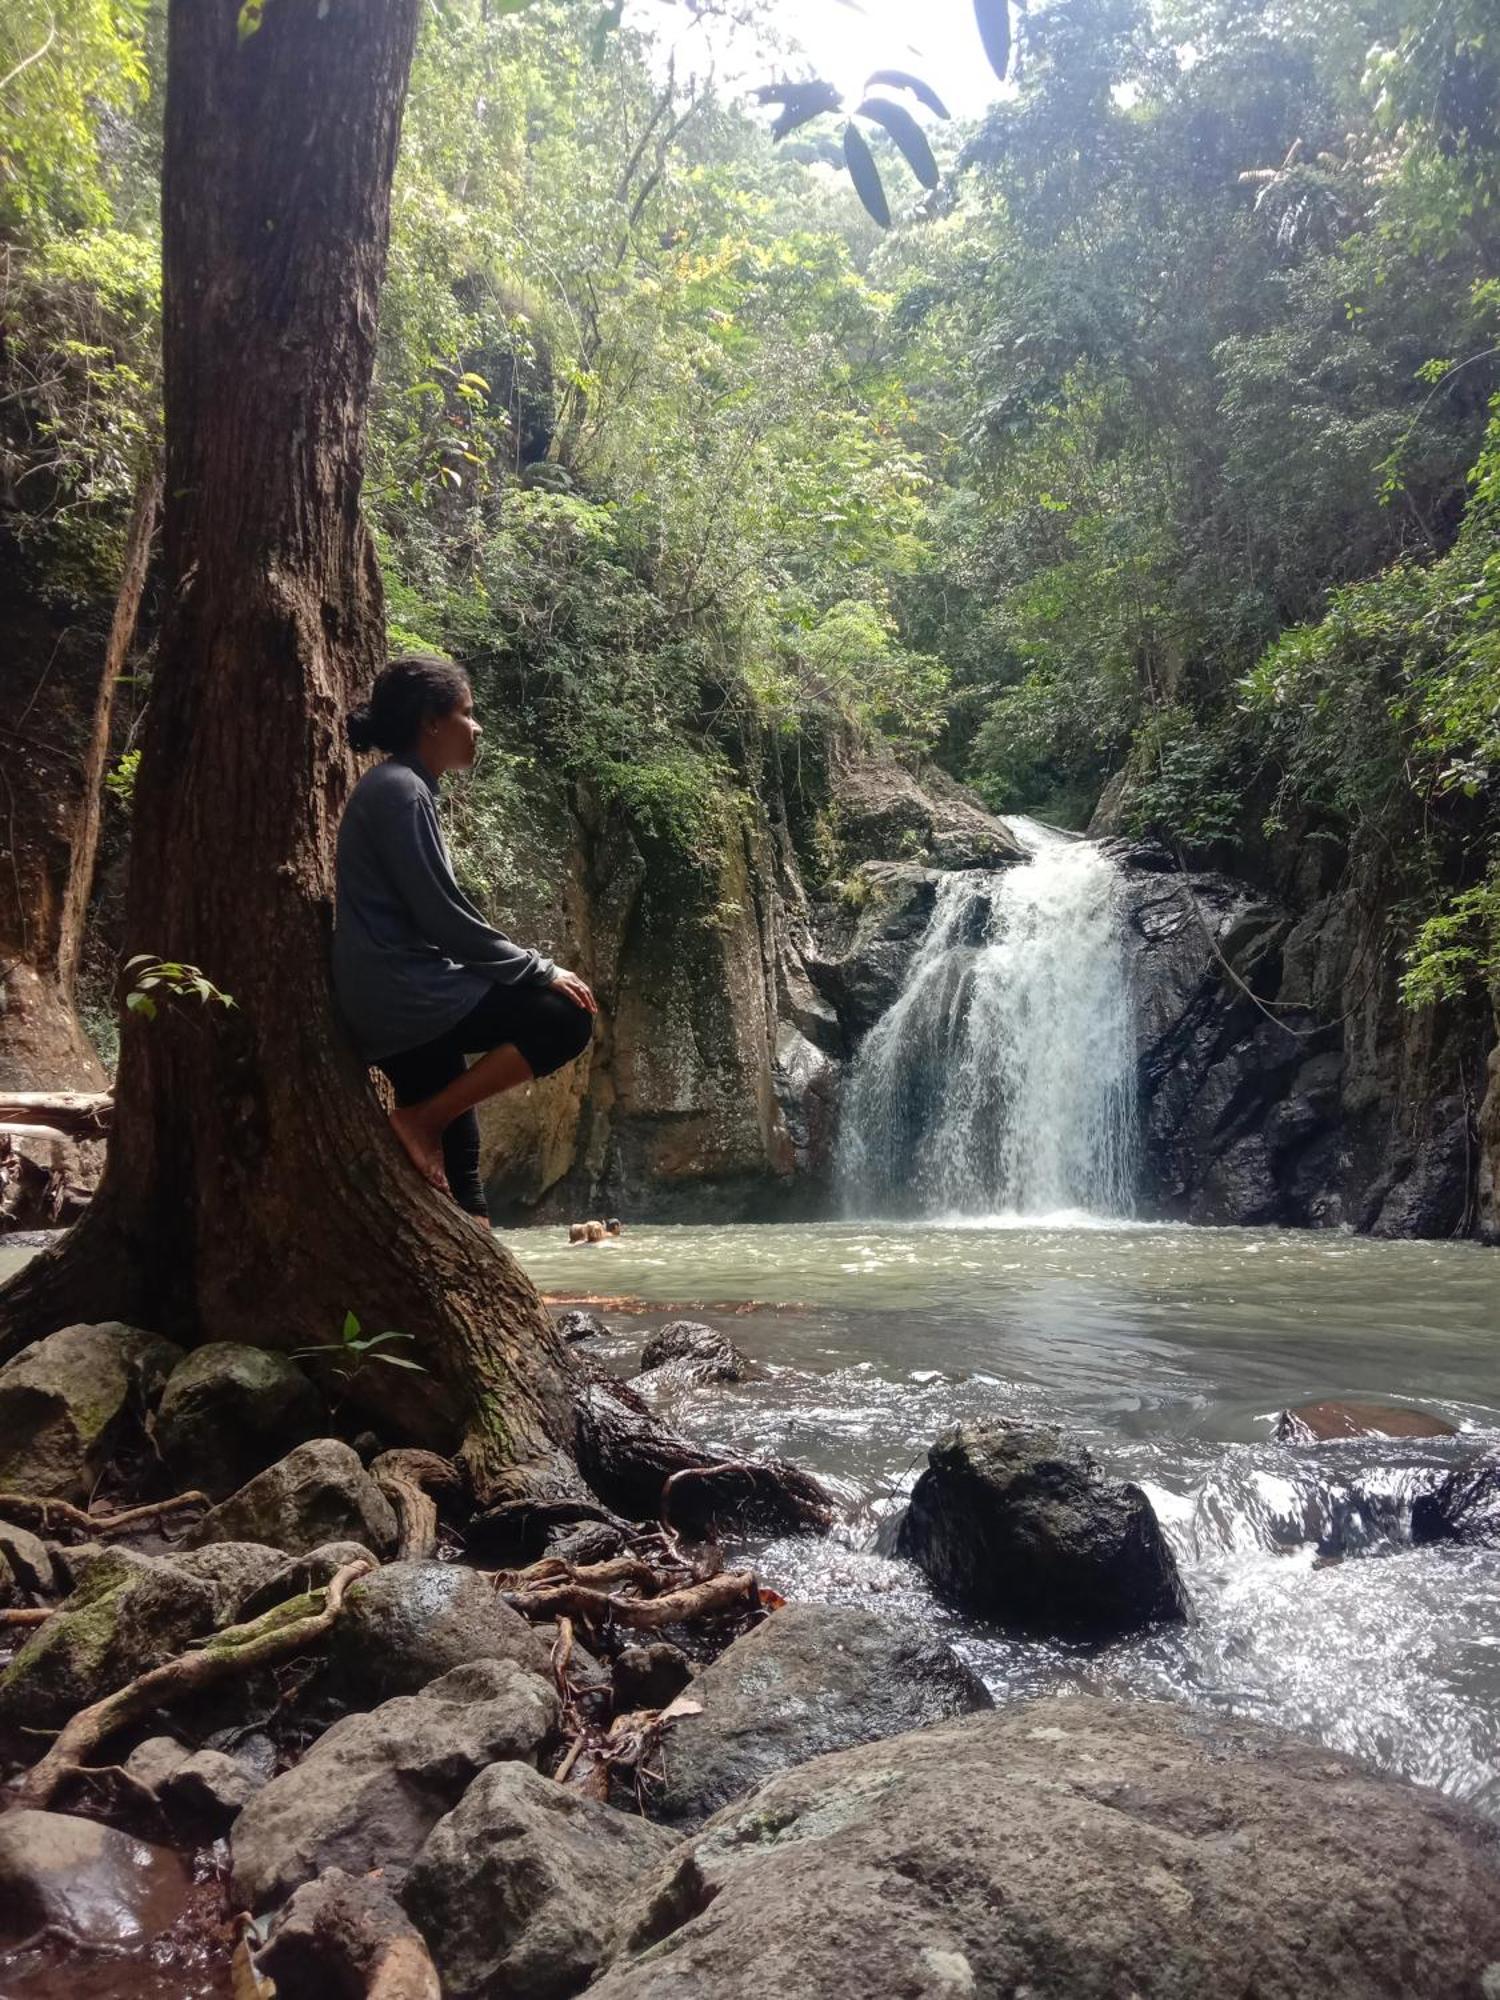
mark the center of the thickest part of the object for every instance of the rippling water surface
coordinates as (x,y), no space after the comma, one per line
(1168,1350)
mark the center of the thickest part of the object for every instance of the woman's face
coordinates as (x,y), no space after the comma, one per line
(451,742)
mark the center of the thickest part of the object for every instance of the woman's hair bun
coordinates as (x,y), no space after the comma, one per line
(413,687)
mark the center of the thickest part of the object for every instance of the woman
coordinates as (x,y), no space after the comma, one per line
(421,978)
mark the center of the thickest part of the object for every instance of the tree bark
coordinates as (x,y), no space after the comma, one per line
(253,1189)
(54,735)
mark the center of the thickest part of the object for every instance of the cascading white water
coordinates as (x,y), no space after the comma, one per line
(1002,1080)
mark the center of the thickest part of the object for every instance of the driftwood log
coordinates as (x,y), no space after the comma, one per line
(637,1464)
(71,1114)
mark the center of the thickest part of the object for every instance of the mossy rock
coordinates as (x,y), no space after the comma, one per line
(229,1411)
(65,1402)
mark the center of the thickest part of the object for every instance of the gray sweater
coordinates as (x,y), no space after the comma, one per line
(411,954)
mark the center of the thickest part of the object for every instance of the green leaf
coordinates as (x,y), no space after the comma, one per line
(380,1339)
(251,13)
(993,17)
(141,1003)
(866,176)
(901,79)
(400,1361)
(907,134)
(351,1326)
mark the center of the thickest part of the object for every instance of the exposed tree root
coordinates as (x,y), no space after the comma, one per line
(238,1650)
(409,1479)
(24,1617)
(732,1590)
(28,1510)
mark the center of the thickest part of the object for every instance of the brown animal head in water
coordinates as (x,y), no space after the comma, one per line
(578,1232)
(595,1231)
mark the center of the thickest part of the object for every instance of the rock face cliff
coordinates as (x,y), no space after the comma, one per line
(1280,1079)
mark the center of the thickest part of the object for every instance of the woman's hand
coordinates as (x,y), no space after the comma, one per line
(577,992)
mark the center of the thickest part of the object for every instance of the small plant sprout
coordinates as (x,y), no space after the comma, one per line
(354,1348)
(155,976)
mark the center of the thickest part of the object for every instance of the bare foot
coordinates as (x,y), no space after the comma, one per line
(479,1221)
(424,1152)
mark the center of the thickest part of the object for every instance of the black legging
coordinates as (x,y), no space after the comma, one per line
(546,1026)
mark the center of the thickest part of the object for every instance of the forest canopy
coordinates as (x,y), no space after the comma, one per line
(1157,445)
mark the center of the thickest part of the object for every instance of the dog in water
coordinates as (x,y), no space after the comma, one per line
(595,1232)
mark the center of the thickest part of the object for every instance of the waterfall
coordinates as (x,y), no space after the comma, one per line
(1002,1079)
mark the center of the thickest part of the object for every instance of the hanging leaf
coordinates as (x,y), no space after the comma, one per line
(800,103)
(993,17)
(907,134)
(865,176)
(902,79)
(250,18)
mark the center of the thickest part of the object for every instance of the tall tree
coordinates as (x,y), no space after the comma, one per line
(253,1190)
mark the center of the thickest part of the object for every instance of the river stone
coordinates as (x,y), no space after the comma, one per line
(1465,1508)
(318,1493)
(204,1789)
(129,1614)
(229,1411)
(96,1885)
(1316,1423)
(64,1401)
(649,1676)
(294,1576)
(696,1353)
(579,1324)
(1075,1849)
(1016,1522)
(339,1935)
(237,1571)
(812,1678)
(27,1569)
(409,1622)
(517,1888)
(370,1790)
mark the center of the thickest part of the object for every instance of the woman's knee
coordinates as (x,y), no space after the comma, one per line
(562,1033)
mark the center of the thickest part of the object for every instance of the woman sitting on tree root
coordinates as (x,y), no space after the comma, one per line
(422,980)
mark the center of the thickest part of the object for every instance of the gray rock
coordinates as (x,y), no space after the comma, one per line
(409,1622)
(370,1790)
(27,1569)
(341,1936)
(699,1354)
(579,1324)
(812,1678)
(1016,1523)
(202,1789)
(152,1762)
(96,1885)
(294,1575)
(1074,1849)
(65,1400)
(238,1571)
(585,1542)
(130,1613)
(650,1676)
(318,1493)
(517,1888)
(229,1411)
(1465,1507)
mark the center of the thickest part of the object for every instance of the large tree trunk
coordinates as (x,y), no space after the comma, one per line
(57,696)
(254,1191)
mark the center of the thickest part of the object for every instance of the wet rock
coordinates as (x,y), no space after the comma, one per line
(341,1936)
(586,1542)
(229,1411)
(236,1570)
(518,1887)
(318,1493)
(201,1790)
(1074,1849)
(408,1623)
(65,1401)
(370,1790)
(1465,1508)
(1017,1523)
(649,1676)
(94,1884)
(295,1575)
(129,1614)
(696,1353)
(578,1324)
(812,1678)
(1313,1423)
(27,1570)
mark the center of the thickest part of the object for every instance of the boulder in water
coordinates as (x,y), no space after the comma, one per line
(318,1493)
(229,1411)
(1074,1849)
(1318,1423)
(1017,1523)
(694,1353)
(579,1324)
(95,1885)
(518,1888)
(65,1400)
(812,1678)
(370,1790)
(1465,1508)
